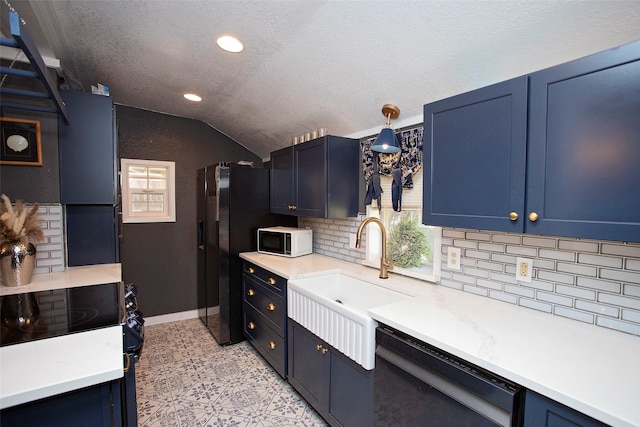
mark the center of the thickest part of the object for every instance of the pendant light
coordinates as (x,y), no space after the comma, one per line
(386,141)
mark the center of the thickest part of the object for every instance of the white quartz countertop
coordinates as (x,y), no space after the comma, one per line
(70,278)
(588,368)
(47,367)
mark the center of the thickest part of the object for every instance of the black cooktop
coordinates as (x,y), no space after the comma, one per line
(45,314)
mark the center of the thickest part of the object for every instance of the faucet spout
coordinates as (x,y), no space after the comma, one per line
(385,265)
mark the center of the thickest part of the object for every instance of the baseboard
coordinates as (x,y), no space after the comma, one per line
(171,317)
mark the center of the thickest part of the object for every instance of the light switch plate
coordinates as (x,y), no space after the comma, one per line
(453,258)
(352,240)
(524,268)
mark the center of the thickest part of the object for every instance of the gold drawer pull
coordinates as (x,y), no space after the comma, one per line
(251,292)
(271,281)
(252,270)
(318,347)
(252,325)
(271,306)
(272,345)
(324,351)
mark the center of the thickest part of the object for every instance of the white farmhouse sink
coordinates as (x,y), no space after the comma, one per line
(334,307)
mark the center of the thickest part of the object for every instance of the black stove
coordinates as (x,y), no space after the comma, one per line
(46,314)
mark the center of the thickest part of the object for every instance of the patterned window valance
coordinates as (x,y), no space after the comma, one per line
(409,160)
(399,166)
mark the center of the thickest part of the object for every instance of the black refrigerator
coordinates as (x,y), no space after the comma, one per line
(233,202)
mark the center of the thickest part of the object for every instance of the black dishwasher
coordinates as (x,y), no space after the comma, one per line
(419,385)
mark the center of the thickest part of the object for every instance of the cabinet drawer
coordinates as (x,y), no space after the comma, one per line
(270,345)
(275,282)
(271,305)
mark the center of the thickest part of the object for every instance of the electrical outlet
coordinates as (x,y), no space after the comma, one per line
(352,240)
(453,258)
(524,267)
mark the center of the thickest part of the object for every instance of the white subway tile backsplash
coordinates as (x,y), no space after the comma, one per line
(599,285)
(536,305)
(577,246)
(572,278)
(539,242)
(621,275)
(555,299)
(517,290)
(510,239)
(492,248)
(551,276)
(475,290)
(579,270)
(619,300)
(597,308)
(630,328)
(522,251)
(632,291)
(472,235)
(501,296)
(602,261)
(633,264)
(576,292)
(573,314)
(629,250)
(631,316)
(557,255)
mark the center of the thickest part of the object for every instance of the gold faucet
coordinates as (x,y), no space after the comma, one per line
(384,264)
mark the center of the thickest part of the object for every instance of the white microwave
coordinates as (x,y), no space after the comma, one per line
(285,241)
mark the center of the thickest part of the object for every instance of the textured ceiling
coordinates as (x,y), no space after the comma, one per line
(311,64)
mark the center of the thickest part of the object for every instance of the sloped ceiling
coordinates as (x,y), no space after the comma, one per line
(310,64)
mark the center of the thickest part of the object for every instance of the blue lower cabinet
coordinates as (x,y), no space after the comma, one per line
(98,405)
(337,387)
(540,411)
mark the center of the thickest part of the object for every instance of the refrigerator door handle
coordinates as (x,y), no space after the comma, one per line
(200,234)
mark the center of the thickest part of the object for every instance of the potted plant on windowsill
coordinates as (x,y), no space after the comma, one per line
(19,227)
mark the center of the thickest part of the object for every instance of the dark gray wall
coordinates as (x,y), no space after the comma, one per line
(32,183)
(161,258)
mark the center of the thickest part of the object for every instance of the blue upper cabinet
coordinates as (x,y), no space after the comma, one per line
(87,150)
(583,168)
(474,156)
(562,161)
(318,178)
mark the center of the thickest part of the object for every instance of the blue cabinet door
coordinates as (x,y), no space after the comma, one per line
(311,178)
(540,411)
(87,150)
(583,166)
(474,158)
(281,183)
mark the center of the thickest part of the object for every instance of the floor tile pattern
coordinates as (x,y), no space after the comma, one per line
(184,378)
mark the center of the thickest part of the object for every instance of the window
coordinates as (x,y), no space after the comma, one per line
(148,191)
(413,248)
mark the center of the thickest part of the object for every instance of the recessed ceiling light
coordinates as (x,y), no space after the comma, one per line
(193,97)
(230,44)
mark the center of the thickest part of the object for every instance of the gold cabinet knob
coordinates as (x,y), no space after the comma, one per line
(251,325)
(513,216)
(252,270)
(292,207)
(271,281)
(324,350)
(318,347)
(272,345)
(251,292)
(533,217)
(271,306)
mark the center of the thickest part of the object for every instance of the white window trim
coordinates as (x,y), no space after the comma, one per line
(411,199)
(128,216)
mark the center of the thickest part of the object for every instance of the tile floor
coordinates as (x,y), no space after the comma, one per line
(184,378)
